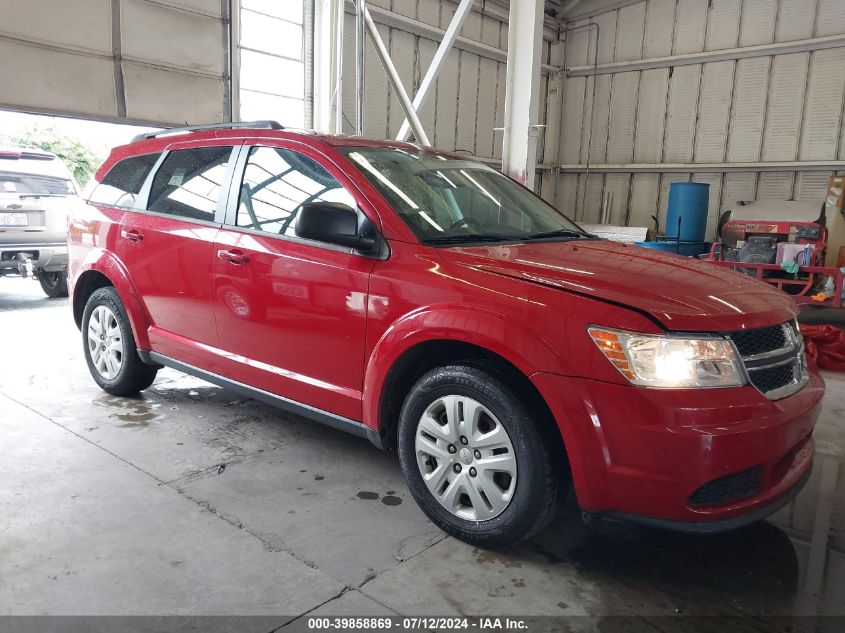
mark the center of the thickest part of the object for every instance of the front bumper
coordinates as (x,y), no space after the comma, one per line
(643,453)
(50,257)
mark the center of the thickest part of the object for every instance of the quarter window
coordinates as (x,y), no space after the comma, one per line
(277,182)
(123,183)
(189,181)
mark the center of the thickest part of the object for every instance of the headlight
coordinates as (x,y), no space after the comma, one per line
(670,362)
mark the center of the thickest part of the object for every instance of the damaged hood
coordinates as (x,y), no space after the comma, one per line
(683,294)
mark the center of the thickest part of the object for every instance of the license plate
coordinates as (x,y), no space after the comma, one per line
(13,219)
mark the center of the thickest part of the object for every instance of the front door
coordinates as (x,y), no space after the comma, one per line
(291,313)
(168,249)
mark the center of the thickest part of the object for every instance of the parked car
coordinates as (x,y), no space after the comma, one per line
(36,191)
(431,304)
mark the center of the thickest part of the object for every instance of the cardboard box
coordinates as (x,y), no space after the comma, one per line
(833,207)
(835,192)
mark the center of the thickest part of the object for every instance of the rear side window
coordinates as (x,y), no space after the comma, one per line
(123,183)
(189,181)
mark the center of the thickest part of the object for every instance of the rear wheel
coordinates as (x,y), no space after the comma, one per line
(110,346)
(474,458)
(53,284)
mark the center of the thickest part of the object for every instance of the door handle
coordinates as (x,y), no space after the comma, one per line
(132,235)
(234,256)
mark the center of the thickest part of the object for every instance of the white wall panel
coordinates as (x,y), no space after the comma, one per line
(748,110)
(403,53)
(659,28)
(82,24)
(620,144)
(775,185)
(794,22)
(162,43)
(738,186)
(786,106)
(690,17)
(645,192)
(681,120)
(823,109)
(594,139)
(783,107)
(651,115)
(160,35)
(831,18)
(713,109)
(629,38)
(811,186)
(60,76)
(154,95)
(723,24)
(573,118)
(758,21)
(468,103)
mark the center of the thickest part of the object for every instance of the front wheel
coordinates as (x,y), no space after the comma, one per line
(54,285)
(110,346)
(474,458)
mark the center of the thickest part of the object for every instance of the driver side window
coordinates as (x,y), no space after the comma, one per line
(276,183)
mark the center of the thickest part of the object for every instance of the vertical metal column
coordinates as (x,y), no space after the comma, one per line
(327,45)
(525,39)
(360,7)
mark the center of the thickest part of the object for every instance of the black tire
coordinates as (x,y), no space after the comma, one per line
(54,285)
(134,374)
(540,476)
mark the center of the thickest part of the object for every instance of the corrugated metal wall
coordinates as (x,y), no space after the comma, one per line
(470,92)
(785,107)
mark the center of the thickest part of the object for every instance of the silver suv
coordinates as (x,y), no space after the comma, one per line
(36,191)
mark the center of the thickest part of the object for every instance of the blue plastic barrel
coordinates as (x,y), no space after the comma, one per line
(688,201)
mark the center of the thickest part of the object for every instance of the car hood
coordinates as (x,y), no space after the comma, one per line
(684,294)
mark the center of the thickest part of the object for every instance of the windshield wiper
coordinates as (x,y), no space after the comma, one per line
(561,233)
(42,195)
(471,237)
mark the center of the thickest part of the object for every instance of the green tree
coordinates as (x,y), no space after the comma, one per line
(79,158)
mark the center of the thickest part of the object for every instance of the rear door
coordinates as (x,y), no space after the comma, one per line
(291,313)
(167,245)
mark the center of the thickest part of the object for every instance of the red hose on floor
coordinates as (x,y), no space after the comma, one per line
(826,345)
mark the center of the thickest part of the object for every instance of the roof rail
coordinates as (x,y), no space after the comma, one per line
(234,125)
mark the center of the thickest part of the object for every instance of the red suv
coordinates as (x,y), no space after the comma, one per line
(429,303)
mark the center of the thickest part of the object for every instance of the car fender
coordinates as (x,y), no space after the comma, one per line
(106,263)
(522,347)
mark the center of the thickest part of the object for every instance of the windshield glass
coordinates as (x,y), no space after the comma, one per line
(21,183)
(446,200)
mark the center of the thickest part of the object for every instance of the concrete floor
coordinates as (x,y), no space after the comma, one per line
(190,500)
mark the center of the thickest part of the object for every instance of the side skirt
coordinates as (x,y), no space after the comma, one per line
(318,415)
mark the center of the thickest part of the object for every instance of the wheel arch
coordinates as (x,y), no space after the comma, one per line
(421,357)
(106,271)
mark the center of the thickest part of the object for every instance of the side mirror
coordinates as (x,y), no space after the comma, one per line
(334,223)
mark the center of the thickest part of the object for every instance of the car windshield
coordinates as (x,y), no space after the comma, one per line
(448,201)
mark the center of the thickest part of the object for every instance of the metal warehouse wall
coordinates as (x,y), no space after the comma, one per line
(151,61)
(470,93)
(713,122)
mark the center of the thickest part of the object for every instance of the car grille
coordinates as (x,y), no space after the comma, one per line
(773,358)
(752,342)
(729,488)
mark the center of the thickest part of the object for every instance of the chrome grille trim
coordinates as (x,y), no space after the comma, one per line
(792,354)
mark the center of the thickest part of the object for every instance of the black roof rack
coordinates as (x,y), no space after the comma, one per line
(234,125)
